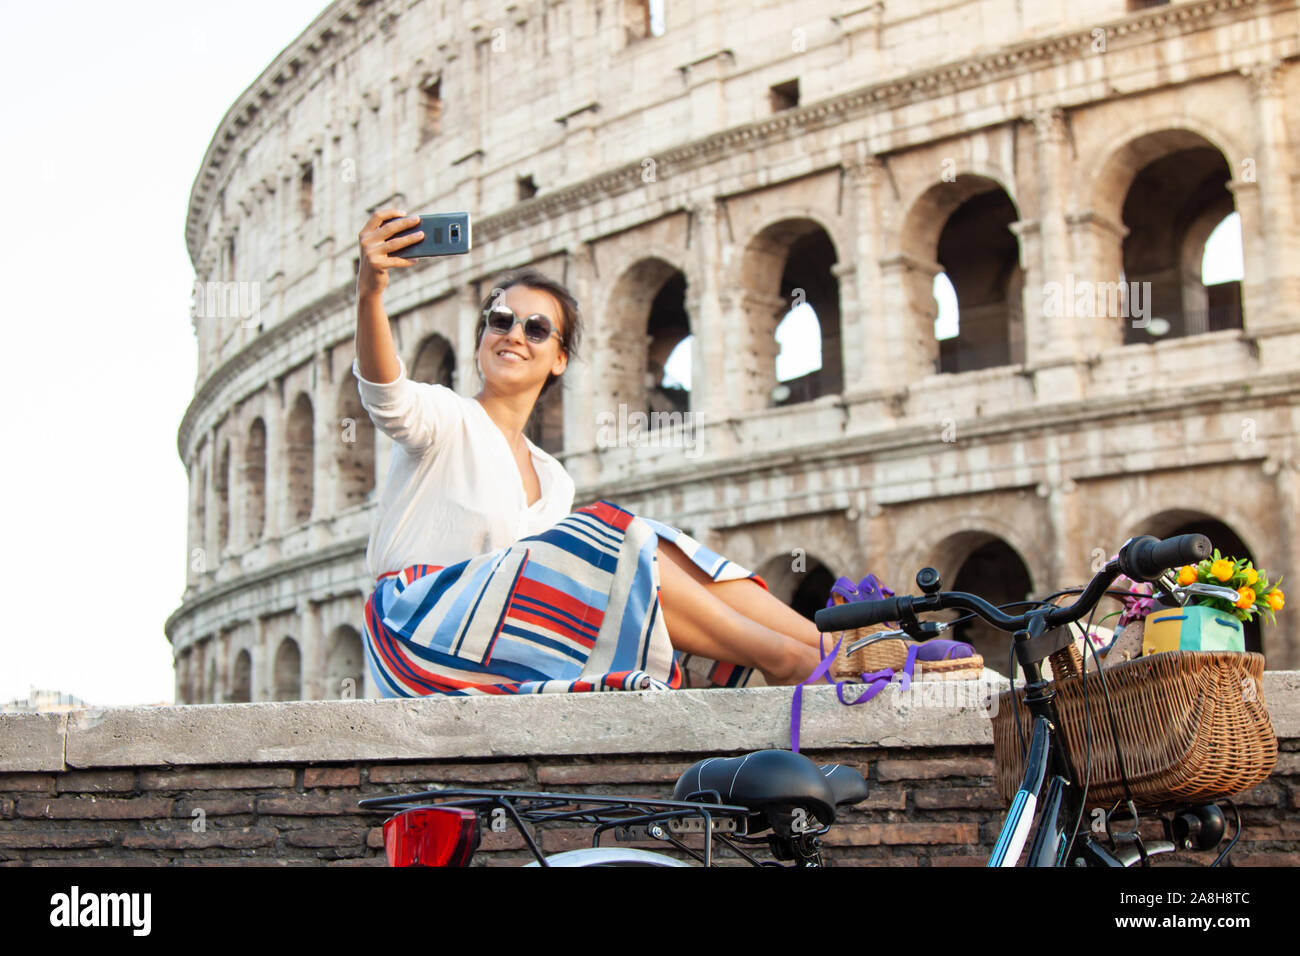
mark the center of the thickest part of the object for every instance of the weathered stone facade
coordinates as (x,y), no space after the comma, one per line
(683,184)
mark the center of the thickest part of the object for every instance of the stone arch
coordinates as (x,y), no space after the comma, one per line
(644,317)
(984,563)
(1107,170)
(963,228)
(434,362)
(1223,534)
(241,682)
(345,660)
(212,694)
(927,205)
(354,454)
(288,670)
(943,549)
(1166,188)
(254,481)
(785,263)
(840,238)
(300,449)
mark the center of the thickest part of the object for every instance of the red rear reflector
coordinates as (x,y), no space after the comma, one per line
(431,836)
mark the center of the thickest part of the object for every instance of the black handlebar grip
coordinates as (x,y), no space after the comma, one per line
(1146,557)
(846,617)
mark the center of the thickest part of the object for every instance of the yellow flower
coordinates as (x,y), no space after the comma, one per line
(1187,574)
(1221,569)
(1276,599)
(1251,575)
(1245,598)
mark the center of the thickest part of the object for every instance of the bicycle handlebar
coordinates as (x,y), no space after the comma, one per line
(1141,559)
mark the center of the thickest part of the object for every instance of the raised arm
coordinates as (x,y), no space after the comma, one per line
(414,415)
(376,356)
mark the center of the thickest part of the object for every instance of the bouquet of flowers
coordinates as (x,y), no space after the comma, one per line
(1255,594)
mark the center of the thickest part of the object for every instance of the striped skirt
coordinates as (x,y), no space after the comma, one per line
(572,608)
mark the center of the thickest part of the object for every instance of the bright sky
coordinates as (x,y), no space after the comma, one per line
(101,145)
(108,109)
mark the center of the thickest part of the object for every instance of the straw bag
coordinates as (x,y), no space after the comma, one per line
(1193,727)
(889,653)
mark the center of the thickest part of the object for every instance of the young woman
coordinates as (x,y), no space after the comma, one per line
(487,580)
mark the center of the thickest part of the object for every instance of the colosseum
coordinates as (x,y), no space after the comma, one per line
(704,175)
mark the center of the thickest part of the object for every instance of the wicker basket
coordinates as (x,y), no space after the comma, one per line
(1193,727)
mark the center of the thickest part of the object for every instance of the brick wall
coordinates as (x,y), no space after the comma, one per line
(242,791)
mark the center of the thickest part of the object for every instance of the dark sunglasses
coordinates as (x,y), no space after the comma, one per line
(537,327)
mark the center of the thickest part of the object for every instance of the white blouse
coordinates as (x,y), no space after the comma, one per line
(453,490)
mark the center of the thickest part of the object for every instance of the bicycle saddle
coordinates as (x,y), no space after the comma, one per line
(775,780)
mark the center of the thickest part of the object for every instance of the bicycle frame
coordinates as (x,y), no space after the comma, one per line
(1046,749)
(1049,846)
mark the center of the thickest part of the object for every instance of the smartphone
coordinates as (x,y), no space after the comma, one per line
(445,234)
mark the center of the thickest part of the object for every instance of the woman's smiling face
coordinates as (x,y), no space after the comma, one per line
(510,359)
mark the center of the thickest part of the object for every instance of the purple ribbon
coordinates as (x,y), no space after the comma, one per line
(876,681)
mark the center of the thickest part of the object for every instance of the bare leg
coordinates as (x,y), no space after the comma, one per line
(751,599)
(699,623)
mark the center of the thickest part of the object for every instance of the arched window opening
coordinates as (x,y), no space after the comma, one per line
(255,481)
(300,451)
(808,363)
(222,488)
(996,572)
(435,363)
(1172,207)
(344,664)
(666,329)
(354,450)
(241,683)
(980,257)
(200,518)
(288,671)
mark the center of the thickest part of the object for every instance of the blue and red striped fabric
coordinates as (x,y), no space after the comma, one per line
(572,608)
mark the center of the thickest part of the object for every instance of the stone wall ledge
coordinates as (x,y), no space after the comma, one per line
(931,714)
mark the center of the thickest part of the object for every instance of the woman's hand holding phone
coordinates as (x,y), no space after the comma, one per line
(378,246)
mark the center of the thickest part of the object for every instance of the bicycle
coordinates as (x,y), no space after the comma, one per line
(1039,634)
(786,801)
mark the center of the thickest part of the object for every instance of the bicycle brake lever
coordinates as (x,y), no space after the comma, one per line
(872,638)
(924,630)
